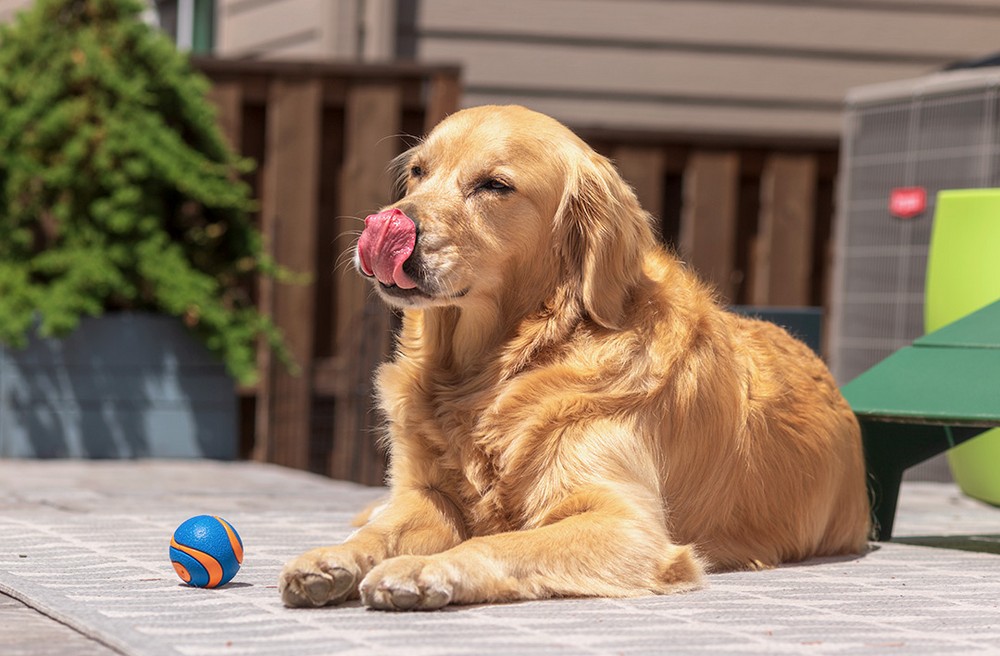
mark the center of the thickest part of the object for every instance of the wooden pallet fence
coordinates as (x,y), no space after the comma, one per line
(322,136)
(752,220)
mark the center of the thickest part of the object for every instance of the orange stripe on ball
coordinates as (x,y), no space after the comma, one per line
(233,540)
(181,571)
(210,564)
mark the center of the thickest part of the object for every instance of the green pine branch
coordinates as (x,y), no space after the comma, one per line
(117,188)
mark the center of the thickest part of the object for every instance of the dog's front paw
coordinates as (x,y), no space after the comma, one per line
(407,583)
(319,577)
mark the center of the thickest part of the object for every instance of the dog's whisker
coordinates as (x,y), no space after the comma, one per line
(344,264)
(349,233)
(405,137)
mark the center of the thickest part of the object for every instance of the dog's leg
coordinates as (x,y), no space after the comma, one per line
(413,522)
(596,543)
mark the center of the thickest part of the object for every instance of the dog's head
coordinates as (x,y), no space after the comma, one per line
(502,199)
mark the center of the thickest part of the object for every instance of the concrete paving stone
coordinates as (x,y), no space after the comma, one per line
(95,535)
(26,632)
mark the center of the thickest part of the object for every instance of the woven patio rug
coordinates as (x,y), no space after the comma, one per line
(92,553)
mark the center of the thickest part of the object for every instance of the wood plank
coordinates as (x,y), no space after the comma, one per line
(267,179)
(253,144)
(643,169)
(342,28)
(328,377)
(723,77)
(363,338)
(254,28)
(227,96)
(824,246)
(443,97)
(948,6)
(379,27)
(333,255)
(748,213)
(295,48)
(909,30)
(680,120)
(375,72)
(783,262)
(709,217)
(289,215)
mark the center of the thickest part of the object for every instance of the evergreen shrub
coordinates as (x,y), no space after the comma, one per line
(117,188)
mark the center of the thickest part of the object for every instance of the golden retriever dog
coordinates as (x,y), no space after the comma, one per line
(570,411)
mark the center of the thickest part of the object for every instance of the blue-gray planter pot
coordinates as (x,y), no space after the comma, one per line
(126,385)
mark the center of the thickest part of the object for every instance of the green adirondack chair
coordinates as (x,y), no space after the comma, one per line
(939,392)
(963,275)
(942,391)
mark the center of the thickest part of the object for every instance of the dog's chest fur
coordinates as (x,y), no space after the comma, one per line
(473,446)
(478,448)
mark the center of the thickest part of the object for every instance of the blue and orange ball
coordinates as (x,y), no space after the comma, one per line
(206,551)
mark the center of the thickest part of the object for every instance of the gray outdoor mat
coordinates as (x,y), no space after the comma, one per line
(88,547)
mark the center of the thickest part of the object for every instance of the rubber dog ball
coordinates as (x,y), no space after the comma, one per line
(206,551)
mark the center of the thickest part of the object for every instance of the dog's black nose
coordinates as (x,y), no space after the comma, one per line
(412,266)
(410,210)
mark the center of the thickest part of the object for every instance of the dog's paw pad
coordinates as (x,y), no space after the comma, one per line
(406,583)
(312,580)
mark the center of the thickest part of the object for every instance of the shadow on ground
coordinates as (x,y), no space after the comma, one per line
(979,543)
(826,560)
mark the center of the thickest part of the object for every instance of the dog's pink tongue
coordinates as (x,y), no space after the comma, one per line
(387,241)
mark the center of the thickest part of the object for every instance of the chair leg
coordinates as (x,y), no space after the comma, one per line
(891,449)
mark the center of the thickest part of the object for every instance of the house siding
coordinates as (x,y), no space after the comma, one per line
(287,29)
(719,67)
(9,8)
(724,68)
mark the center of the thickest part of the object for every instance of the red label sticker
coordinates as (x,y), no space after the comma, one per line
(907,202)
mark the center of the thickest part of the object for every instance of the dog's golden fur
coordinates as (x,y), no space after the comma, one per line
(570,411)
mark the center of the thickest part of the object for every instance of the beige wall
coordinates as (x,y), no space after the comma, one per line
(287,29)
(705,66)
(10,7)
(284,28)
(766,68)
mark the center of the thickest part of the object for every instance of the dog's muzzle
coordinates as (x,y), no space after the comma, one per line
(387,242)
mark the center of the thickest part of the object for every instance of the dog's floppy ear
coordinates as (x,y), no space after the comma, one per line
(399,172)
(603,235)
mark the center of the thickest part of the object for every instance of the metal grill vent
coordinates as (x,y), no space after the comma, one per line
(936,132)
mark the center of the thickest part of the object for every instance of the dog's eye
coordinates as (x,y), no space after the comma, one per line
(416,171)
(495,185)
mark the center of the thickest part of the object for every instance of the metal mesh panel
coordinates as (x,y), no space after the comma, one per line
(938,132)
